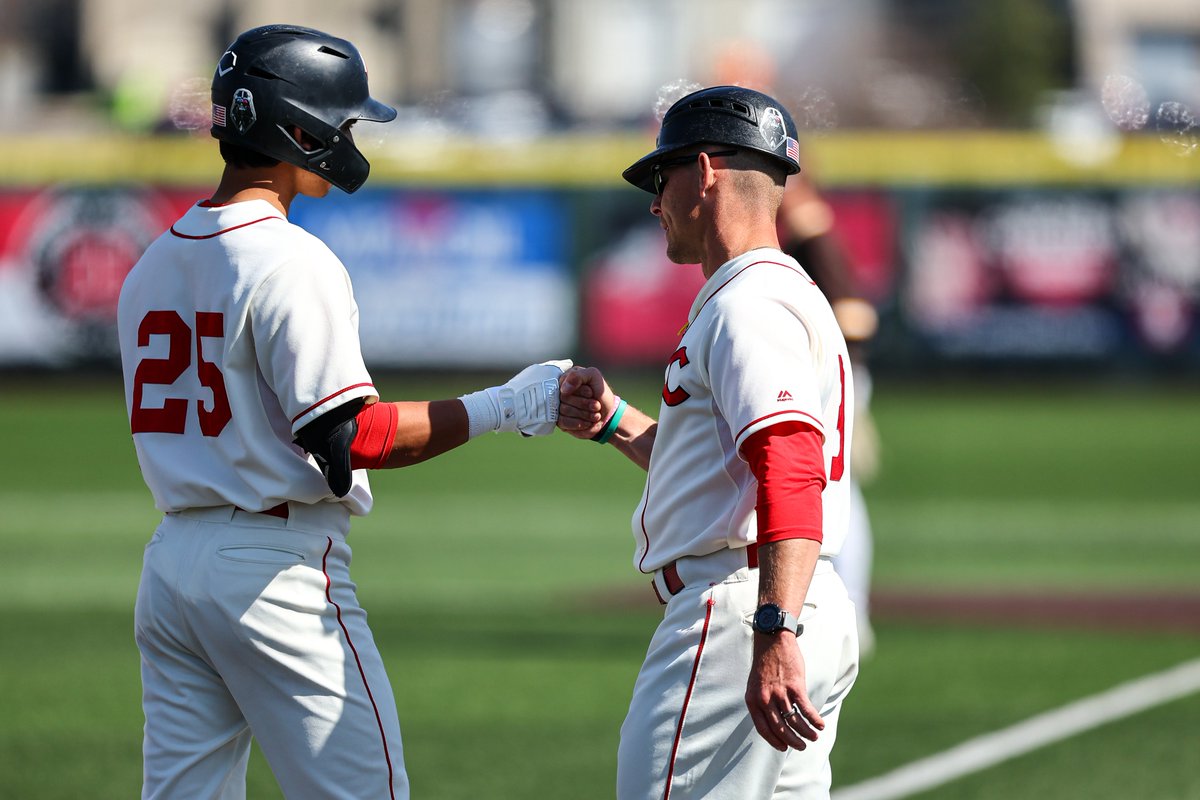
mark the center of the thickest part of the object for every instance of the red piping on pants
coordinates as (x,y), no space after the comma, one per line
(687,698)
(361,672)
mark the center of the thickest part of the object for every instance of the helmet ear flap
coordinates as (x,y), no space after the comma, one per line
(333,156)
(341,164)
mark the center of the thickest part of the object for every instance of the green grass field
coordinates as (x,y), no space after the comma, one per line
(501,591)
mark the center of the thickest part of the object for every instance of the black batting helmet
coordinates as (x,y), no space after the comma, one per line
(731,115)
(278,76)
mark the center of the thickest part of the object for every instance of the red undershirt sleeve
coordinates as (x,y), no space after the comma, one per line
(376,434)
(789,463)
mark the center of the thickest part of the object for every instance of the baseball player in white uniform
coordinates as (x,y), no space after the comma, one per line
(255,419)
(746,498)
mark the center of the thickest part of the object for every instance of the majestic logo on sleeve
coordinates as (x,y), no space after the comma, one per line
(242,112)
(674,397)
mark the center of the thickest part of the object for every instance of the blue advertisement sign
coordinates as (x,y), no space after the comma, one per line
(453,278)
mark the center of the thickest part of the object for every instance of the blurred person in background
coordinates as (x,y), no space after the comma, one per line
(745,500)
(806,232)
(255,419)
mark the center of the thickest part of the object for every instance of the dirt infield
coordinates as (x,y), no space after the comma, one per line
(1141,612)
(1178,612)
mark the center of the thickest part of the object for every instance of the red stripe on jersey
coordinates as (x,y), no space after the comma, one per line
(330,397)
(788,461)
(739,272)
(816,424)
(645,533)
(218,233)
(372,444)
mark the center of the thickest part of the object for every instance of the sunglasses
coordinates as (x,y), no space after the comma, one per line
(659,180)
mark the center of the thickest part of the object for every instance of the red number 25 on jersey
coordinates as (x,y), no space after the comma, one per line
(172,417)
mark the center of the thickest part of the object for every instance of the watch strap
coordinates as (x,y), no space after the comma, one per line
(791,622)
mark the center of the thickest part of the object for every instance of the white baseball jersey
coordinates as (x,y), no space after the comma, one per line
(761,347)
(237,328)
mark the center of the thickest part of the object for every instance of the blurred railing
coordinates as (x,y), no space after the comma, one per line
(874,158)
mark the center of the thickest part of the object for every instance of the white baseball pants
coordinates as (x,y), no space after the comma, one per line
(249,625)
(688,733)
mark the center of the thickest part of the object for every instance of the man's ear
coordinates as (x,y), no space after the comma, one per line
(708,175)
(307,143)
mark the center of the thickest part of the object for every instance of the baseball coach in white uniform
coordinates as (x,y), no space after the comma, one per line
(746,497)
(254,419)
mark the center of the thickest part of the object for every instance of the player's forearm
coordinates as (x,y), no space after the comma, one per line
(425,429)
(777,678)
(391,435)
(785,569)
(634,436)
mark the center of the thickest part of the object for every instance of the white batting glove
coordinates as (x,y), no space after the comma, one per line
(528,403)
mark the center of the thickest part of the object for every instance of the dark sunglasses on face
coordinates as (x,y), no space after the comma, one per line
(659,180)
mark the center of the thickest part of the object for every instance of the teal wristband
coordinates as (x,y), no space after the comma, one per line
(610,427)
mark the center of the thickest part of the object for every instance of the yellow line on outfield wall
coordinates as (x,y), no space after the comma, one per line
(886,159)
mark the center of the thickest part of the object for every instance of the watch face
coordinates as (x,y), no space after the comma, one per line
(768,618)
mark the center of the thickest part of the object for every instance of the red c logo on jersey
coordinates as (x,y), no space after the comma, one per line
(674,397)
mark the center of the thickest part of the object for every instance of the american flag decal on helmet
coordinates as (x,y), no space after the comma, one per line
(218,115)
(793,149)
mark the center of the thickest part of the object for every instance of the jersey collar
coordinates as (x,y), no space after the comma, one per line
(730,270)
(206,220)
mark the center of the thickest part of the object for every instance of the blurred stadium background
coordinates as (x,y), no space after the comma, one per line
(1017,183)
(1016,179)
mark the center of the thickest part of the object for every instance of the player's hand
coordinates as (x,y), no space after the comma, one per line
(529,401)
(776,694)
(585,401)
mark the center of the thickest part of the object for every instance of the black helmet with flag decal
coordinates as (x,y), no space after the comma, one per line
(277,77)
(731,115)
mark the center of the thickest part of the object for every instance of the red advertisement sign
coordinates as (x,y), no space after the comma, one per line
(636,300)
(64,253)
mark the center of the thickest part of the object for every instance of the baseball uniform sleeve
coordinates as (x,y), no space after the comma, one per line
(788,463)
(761,366)
(305,326)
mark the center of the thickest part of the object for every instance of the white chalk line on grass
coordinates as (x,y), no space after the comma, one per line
(1037,731)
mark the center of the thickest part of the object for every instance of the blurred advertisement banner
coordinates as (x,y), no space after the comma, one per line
(466,279)
(1161,231)
(1051,275)
(636,301)
(456,279)
(1102,277)
(64,253)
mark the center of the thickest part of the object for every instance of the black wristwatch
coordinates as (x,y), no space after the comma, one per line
(772,619)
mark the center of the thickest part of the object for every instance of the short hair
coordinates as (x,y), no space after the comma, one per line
(245,158)
(759,179)
(761,162)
